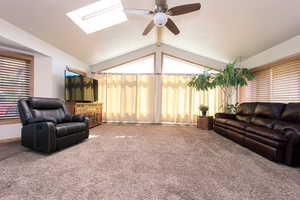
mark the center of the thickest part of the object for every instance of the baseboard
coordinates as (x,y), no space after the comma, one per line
(10,140)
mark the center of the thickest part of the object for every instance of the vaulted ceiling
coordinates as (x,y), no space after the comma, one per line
(223,30)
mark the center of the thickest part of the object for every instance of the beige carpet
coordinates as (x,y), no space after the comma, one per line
(148,162)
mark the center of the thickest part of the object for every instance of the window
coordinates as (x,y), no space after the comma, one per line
(172,65)
(140,66)
(98,16)
(15,82)
(278,83)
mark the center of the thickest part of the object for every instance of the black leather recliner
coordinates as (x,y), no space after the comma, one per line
(48,126)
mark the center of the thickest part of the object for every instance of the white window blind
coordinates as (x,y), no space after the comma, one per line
(279,83)
(15,83)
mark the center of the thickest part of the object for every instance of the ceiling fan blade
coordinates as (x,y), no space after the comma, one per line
(180,10)
(138,11)
(149,28)
(172,27)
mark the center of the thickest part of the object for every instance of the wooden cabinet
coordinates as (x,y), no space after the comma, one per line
(205,123)
(92,110)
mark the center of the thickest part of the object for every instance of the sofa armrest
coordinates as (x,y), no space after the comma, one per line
(225,115)
(40,136)
(292,154)
(79,118)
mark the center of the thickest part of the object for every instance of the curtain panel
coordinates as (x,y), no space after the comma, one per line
(127,98)
(180,103)
(153,98)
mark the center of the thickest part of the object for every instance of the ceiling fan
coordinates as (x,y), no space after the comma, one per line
(161,15)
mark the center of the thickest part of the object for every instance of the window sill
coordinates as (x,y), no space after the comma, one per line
(9,121)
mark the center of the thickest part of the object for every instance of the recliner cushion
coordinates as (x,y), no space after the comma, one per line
(264,122)
(57,114)
(266,132)
(45,103)
(65,129)
(291,112)
(269,110)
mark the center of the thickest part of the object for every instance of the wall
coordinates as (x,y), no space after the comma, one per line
(50,64)
(285,49)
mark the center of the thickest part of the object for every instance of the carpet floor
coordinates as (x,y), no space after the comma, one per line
(127,162)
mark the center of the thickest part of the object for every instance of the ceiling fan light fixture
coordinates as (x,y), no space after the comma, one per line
(160,19)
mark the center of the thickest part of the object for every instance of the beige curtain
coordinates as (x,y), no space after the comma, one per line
(127,98)
(133,98)
(180,103)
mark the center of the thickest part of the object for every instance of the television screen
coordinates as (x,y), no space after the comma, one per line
(80,88)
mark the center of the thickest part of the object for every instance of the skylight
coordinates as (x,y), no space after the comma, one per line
(99,15)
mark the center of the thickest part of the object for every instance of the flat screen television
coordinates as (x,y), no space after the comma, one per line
(80,88)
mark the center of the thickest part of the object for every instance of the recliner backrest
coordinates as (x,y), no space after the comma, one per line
(24,111)
(35,107)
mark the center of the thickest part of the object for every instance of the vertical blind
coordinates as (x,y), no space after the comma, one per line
(15,83)
(279,83)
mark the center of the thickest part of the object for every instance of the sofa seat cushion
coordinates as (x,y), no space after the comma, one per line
(264,122)
(267,133)
(221,120)
(237,124)
(243,118)
(231,122)
(282,126)
(65,129)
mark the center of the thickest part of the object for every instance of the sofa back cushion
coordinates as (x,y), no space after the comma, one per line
(269,110)
(266,114)
(291,113)
(245,111)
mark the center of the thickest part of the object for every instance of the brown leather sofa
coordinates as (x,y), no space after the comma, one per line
(270,129)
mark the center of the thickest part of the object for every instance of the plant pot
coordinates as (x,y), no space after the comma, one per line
(203,113)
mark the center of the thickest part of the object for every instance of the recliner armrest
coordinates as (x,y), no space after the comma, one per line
(79,118)
(42,119)
(40,136)
(225,115)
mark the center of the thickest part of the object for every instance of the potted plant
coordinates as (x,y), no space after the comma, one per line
(232,108)
(203,109)
(228,80)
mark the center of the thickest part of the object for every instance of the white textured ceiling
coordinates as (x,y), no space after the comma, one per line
(222,30)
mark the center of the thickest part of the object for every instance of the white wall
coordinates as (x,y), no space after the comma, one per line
(158,52)
(285,49)
(50,64)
